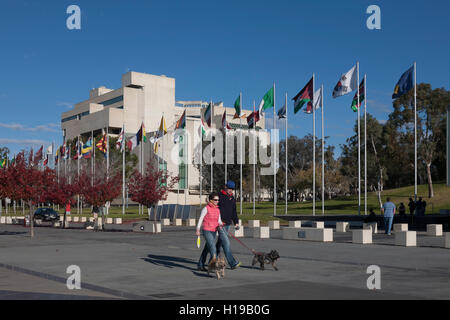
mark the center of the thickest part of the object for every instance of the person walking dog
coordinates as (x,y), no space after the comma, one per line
(209,222)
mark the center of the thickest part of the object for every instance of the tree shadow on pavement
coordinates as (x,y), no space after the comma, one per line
(10,233)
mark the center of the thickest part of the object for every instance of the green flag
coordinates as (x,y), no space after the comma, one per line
(267,101)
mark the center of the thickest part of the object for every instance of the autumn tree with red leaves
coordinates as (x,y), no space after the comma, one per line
(151,187)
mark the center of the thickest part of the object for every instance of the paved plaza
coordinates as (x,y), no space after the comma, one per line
(130,265)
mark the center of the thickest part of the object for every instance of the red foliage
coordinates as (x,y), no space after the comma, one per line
(148,189)
(103,190)
(61,192)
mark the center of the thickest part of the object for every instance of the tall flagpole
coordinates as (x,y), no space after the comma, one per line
(226,163)
(254,156)
(240,129)
(107,162)
(274,156)
(286,158)
(201,152)
(365,145)
(415,133)
(122,146)
(212,173)
(323,153)
(78,173)
(359,144)
(314,152)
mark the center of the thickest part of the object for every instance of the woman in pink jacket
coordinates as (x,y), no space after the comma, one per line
(209,222)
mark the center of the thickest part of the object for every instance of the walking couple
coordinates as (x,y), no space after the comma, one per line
(217,216)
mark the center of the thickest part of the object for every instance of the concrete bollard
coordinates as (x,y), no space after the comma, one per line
(362,236)
(261,233)
(372,226)
(76,219)
(290,233)
(61,218)
(405,238)
(68,218)
(253,223)
(434,230)
(156,227)
(189,222)
(318,224)
(91,219)
(83,219)
(117,220)
(165,222)
(447,240)
(3,220)
(342,227)
(274,224)
(400,227)
(8,220)
(109,220)
(99,224)
(295,224)
(177,222)
(309,234)
(56,224)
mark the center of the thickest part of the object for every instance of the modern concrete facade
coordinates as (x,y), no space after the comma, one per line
(145,98)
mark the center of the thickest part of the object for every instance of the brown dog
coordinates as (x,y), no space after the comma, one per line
(217,265)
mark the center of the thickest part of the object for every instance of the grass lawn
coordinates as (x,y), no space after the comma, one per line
(337,206)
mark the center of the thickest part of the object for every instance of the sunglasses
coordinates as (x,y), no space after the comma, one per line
(215,199)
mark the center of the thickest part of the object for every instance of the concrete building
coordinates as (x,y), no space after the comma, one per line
(145,98)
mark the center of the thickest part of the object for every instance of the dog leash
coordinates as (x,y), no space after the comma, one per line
(243,244)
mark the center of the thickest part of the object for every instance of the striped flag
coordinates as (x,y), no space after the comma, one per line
(225,125)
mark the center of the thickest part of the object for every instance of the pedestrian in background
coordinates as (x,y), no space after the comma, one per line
(388,211)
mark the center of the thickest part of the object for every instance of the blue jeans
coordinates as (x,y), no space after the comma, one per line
(388,224)
(224,241)
(210,247)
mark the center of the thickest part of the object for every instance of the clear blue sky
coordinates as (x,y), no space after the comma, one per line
(214,49)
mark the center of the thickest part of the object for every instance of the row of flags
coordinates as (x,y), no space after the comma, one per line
(346,84)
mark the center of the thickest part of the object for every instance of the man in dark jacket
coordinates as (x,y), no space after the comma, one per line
(227,206)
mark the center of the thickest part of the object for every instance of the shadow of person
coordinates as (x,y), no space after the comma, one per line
(171,262)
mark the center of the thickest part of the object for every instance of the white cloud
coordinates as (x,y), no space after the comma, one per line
(40,128)
(66,104)
(23,142)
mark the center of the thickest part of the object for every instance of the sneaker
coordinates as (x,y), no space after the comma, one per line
(236,266)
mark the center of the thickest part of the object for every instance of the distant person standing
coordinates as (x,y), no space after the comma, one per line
(401,209)
(412,206)
(388,211)
(68,208)
(419,205)
(424,206)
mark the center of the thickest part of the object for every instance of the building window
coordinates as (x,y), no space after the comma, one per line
(70,118)
(111,101)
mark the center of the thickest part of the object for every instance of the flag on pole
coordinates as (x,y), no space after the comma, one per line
(101,145)
(57,155)
(159,134)
(86,149)
(266,102)
(252,119)
(346,84)
(47,153)
(405,83)
(78,146)
(181,124)
(141,135)
(207,115)
(238,108)
(2,163)
(282,112)
(132,143)
(225,125)
(120,141)
(355,104)
(304,96)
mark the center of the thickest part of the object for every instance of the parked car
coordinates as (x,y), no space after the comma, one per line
(46,214)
